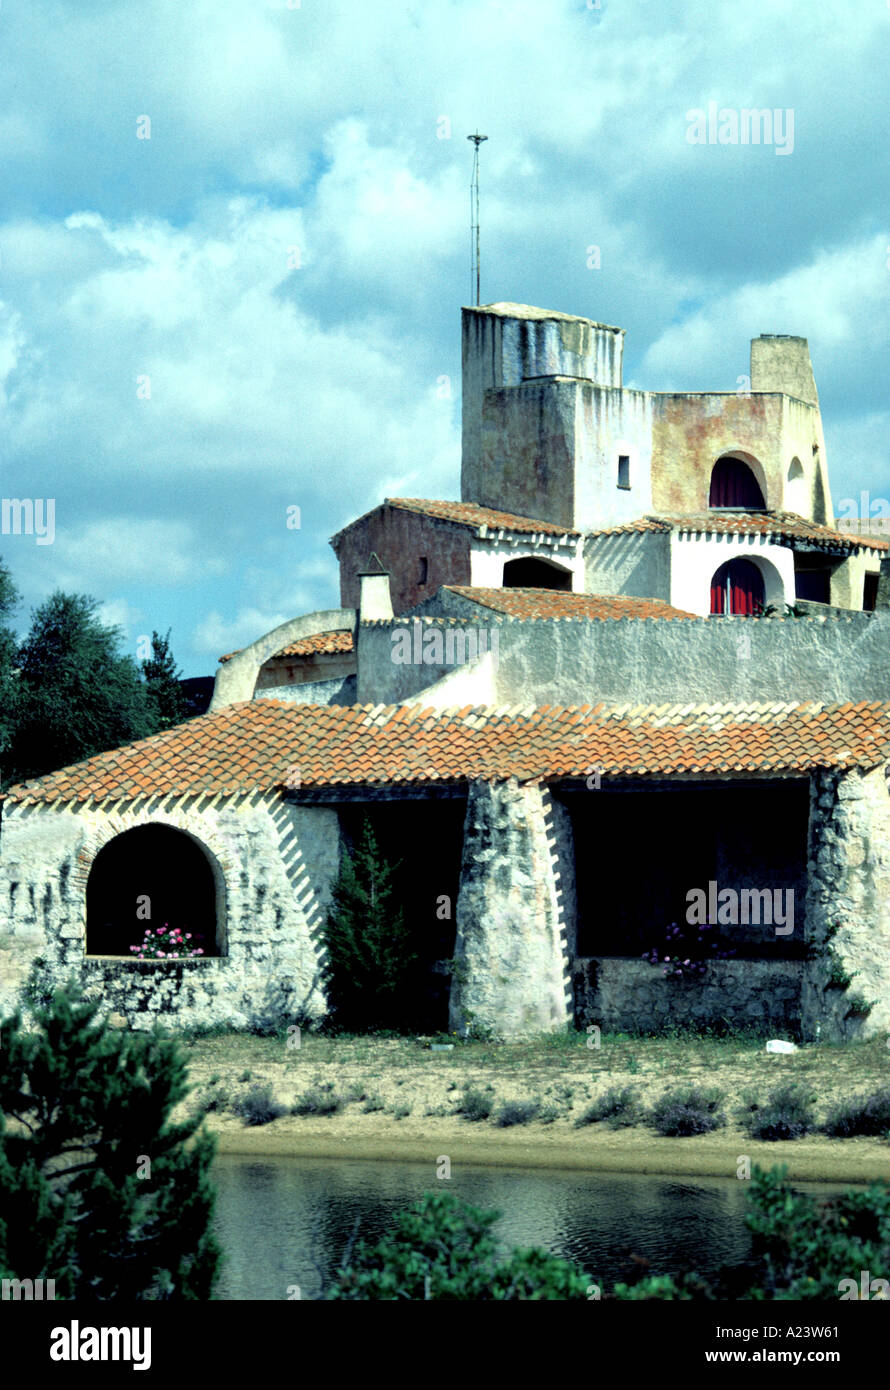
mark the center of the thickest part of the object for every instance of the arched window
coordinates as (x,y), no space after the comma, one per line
(796,488)
(150,877)
(737,587)
(734,485)
(536,574)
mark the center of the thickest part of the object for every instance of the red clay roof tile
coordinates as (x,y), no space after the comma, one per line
(556,603)
(255,745)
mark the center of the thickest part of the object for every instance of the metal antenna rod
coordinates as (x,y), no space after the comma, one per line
(474,209)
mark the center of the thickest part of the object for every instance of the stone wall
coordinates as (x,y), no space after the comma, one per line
(273,863)
(515,914)
(626,995)
(848,906)
(650,660)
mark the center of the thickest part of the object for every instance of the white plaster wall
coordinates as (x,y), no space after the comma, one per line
(488,557)
(694,559)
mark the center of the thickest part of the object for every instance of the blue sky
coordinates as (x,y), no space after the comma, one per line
(285,258)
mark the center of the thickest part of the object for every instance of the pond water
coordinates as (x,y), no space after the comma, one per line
(287,1222)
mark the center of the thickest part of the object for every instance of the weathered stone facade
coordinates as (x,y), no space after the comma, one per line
(625,995)
(515,917)
(273,863)
(847,986)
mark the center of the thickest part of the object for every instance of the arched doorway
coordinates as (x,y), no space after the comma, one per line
(532,573)
(734,485)
(151,877)
(737,587)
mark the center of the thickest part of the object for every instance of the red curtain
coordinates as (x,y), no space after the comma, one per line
(742,582)
(734,485)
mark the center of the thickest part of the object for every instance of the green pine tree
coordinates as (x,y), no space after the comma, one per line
(99,1190)
(369,944)
(165,693)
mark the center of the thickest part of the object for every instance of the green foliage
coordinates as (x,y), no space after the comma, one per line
(89,1106)
(9,599)
(257,1107)
(864,1114)
(695,1110)
(806,1246)
(476,1104)
(369,947)
(77,694)
(318,1100)
(620,1107)
(517,1112)
(786,1114)
(443,1249)
(166,696)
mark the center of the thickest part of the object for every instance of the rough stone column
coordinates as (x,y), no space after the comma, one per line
(848,889)
(515,914)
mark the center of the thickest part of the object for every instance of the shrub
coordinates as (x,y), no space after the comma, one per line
(442,1249)
(318,1100)
(517,1112)
(806,1246)
(103,1227)
(787,1114)
(867,1114)
(476,1104)
(620,1106)
(217,1097)
(401,1111)
(373,1104)
(257,1107)
(682,1113)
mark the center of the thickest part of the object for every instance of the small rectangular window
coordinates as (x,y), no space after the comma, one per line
(423,571)
(624,470)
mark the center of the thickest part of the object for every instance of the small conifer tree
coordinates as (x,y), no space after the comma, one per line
(166,695)
(99,1190)
(369,946)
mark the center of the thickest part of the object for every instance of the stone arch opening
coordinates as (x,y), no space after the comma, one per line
(796,488)
(738,587)
(535,573)
(153,877)
(737,484)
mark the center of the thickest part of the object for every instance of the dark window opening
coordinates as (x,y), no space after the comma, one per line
(424,568)
(741,837)
(734,485)
(870,593)
(535,574)
(737,587)
(812,577)
(156,870)
(623,471)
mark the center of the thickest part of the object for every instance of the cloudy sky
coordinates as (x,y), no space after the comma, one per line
(253,308)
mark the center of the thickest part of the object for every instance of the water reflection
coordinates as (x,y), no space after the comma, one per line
(287,1222)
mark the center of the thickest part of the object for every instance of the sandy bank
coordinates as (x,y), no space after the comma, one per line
(592,1149)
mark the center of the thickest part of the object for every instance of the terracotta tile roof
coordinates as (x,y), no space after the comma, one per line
(788,525)
(469,514)
(556,603)
(260,744)
(320,642)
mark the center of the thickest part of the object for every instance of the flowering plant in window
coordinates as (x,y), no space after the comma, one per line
(167,943)
(686,950)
